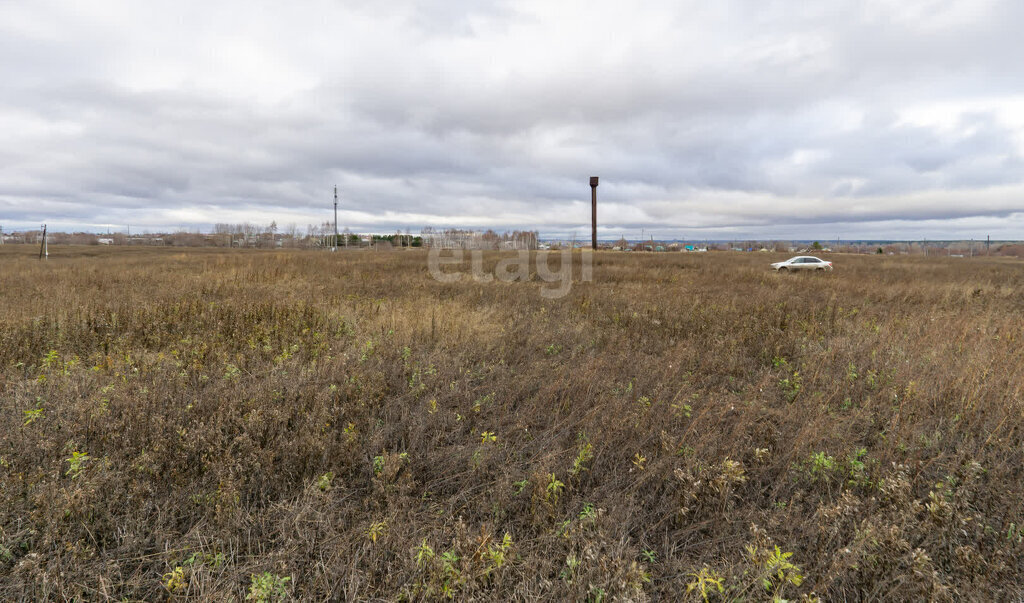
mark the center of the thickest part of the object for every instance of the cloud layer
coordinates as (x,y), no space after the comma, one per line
(871,119)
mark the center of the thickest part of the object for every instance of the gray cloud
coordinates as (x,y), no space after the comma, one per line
(770,118)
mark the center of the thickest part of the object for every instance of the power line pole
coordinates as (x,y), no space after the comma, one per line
(334,245)
(44,251)
(988,243)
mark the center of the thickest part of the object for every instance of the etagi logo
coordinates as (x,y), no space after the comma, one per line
(510,269)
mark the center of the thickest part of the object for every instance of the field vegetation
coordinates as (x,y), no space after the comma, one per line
(268,425)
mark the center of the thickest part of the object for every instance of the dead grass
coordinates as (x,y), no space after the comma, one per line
(654,434)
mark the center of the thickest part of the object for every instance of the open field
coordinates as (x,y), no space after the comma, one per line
(215,424)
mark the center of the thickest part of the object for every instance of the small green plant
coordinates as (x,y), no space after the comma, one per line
(378,464)
(554,489)
(521,485)
(175,581)
(368,350)
(479,403)
(704,582)
(377,529)
(51,360)
(267,587)
(452,576)
(495,554)
(820,465)
(553,350)
(683,409)
(213,560)
(416,384)
(791,386)
(424,554)
(286,354)
(777,570)
(488,436)
(76,464)
(449,559)
(231,372)
(649,556)
(32,415)
(324,481)
(858,468)
(583,455)
(588,512)
(1015,533)
(572,563)
(639,461)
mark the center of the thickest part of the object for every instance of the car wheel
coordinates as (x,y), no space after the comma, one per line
(783,269)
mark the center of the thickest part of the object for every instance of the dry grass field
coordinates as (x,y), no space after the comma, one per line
(224,425)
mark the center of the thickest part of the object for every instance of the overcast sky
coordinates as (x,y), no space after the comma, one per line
(768,119)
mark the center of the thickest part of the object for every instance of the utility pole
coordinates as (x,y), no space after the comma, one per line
(44,251)
(334,246)
(593,211)
(988,243)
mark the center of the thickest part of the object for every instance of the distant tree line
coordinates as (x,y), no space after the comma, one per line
(454,238)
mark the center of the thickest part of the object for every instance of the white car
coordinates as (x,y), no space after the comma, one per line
(802,262)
